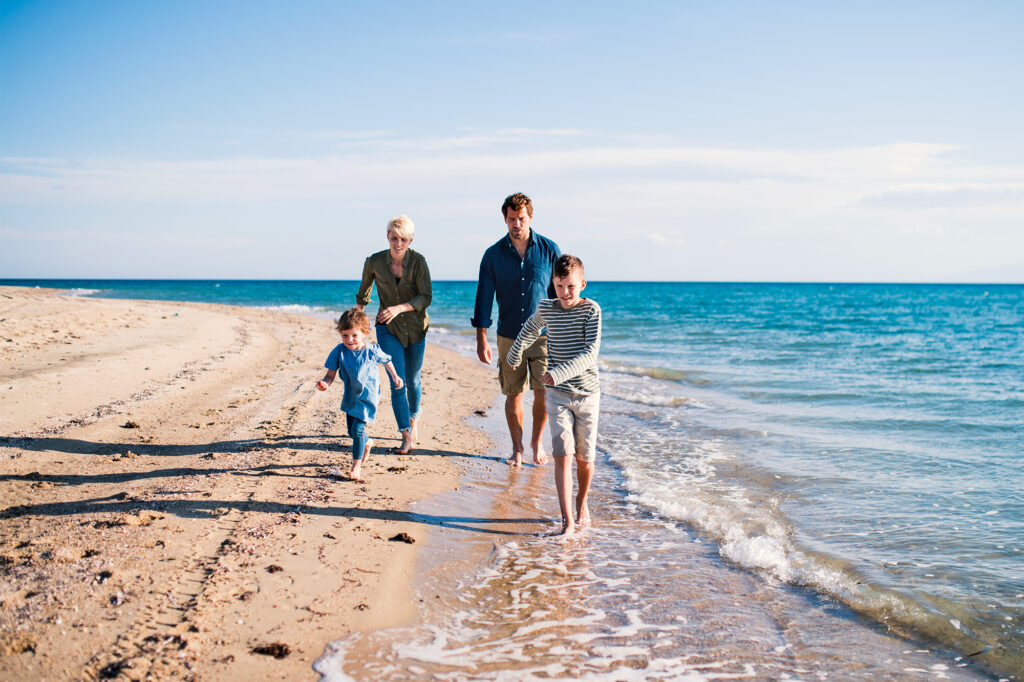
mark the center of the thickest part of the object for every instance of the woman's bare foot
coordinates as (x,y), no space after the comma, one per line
(357,471)
(367,449)
(516,460)
(407,443)
(413,433)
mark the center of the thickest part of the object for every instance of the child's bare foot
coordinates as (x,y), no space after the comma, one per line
(516,460)
(568,529)
(583,516)
(539,458)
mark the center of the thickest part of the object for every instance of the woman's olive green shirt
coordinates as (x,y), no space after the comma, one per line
(414,288)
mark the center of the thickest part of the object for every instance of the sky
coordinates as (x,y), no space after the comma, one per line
(687,141)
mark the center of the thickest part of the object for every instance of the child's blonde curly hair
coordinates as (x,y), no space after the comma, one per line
(354,318)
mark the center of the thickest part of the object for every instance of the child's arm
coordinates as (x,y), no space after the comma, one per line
(395,379)
(527,335)
(585,360)
(327,380)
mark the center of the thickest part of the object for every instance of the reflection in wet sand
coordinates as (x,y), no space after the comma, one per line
(634,597)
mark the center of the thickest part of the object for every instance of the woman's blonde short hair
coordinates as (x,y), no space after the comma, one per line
(402,226)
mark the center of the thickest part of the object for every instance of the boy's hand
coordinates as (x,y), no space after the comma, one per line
(547,380)
(321,385)
(399,384)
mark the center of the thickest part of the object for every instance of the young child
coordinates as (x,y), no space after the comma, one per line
(356,361)
(574,337)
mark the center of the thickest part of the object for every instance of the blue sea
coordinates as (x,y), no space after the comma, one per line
(795,480)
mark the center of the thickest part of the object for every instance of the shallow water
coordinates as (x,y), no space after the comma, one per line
(637,596)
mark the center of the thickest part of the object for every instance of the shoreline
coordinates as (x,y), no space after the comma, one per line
(167,504)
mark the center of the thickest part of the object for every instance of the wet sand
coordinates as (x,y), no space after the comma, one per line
(636,597)
(168,508)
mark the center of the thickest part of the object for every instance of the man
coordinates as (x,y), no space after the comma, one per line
(517,269)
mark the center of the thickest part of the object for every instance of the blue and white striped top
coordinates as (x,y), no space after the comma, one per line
(574,338)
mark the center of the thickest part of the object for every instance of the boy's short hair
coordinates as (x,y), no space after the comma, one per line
(402,226)
(354,318)
(566,265)
(516,202)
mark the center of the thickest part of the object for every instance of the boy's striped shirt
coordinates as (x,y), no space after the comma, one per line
(574,337)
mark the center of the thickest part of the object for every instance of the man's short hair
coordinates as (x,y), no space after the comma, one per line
(517,202)
(566,265)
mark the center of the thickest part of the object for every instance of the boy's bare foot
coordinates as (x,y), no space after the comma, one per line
(568,529)
(539,458)
(516,460)
(583,516)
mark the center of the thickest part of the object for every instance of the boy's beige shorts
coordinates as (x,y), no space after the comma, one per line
(573,421)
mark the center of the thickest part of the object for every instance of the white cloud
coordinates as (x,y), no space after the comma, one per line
(849,212)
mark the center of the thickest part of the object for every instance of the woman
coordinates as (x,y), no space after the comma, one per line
(403,287)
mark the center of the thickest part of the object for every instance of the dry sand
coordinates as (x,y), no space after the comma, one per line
(166,505)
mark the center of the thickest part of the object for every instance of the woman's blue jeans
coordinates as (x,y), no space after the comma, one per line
(408,363)
(357,432)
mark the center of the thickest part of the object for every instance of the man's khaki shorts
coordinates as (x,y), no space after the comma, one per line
(535,363)
(572,419)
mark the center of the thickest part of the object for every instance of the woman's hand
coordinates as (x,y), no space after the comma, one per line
(387,314)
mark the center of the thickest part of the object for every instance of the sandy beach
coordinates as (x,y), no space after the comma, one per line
(168,506)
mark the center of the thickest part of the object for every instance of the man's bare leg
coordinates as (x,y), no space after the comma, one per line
(540,420)
(514,417)
(584,475)
(563,484)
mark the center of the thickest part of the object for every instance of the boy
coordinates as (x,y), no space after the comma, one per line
(574,336)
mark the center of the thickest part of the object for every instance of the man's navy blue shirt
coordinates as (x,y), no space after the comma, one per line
(519,283)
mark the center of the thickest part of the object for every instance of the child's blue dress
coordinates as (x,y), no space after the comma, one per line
(358,369)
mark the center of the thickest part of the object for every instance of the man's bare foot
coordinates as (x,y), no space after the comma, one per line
(516,460)
(539,458)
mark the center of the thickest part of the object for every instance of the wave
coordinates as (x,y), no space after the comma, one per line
(664,373)
(645,398)
(752,532)
(81,292)
(315,311)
